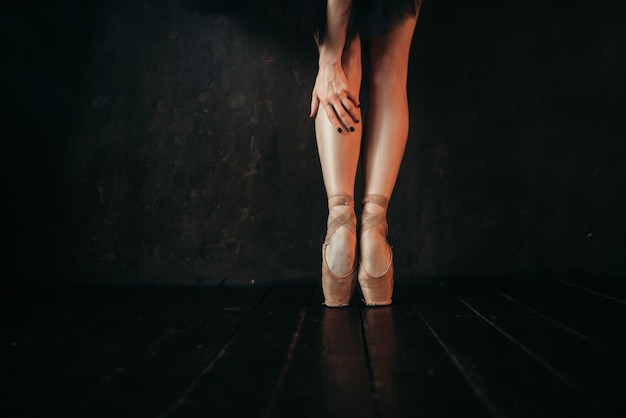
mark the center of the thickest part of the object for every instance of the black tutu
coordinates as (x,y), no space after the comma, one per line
(369,18)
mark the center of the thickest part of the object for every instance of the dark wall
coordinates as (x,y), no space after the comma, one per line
(152,144)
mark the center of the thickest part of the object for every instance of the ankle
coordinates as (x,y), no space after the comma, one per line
(375,204)
(375,253)
(337,211)
(374,209)
(340,243)
(341,212)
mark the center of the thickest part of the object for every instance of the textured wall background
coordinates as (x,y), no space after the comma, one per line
(152,144)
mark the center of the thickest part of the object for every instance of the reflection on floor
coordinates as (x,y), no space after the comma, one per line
(448,349)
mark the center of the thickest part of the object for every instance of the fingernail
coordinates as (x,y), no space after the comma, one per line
(352,129)
(339,130)
(356,120)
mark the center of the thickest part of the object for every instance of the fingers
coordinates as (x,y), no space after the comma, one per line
(342,118)
(315,105)
(347,113)
(354,98)
(337,114)
(332,117)
(342,111)
(340,104)
(352,107)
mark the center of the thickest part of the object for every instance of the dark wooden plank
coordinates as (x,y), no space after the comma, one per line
(27,331)
(155,382)
(34,309)
(242,380)
(610,289)
(44,366)
(44,344)
(30,317)
(412,373)
(589,371)
(556,323)
(511,382)
(598,318)
(116,353)
(328,375)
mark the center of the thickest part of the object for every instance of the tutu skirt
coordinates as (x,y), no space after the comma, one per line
(369,18)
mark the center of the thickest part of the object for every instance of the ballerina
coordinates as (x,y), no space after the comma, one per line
(343,137)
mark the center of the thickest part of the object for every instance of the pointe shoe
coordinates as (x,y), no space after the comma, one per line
(338,289)
(376,290)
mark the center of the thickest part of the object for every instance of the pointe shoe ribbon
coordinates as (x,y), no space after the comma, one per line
(376,290)
(338,289)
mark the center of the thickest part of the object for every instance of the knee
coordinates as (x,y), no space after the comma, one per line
(388,70)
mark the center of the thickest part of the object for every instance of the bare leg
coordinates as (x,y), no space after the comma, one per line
(385,133)
(339,156)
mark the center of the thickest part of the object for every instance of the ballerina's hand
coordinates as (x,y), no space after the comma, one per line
(341,104)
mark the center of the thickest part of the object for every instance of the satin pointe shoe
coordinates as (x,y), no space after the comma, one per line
(338,289)
(376,290)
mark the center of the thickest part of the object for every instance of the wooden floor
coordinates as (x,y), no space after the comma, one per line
(478,349)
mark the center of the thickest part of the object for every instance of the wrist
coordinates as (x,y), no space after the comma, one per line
(329,60)
(329,55)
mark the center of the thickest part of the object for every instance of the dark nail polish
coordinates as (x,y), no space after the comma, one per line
(339,130)
(352,129)
(356,120)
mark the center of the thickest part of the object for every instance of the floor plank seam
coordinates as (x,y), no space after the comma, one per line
(165,335)
(285,369)
(52,370)
(593,292)
(207,369)
(474,387)
(370,369)
(590,399)
(555,322)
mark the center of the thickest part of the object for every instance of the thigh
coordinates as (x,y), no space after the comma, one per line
(393,46)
